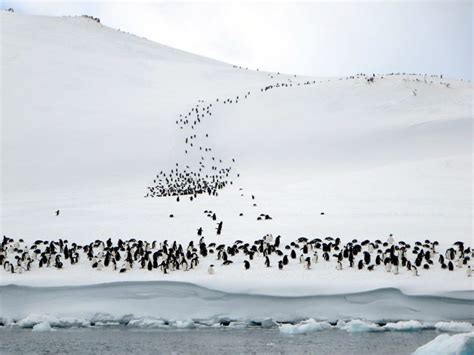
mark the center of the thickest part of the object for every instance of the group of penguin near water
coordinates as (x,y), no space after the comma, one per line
(18,257)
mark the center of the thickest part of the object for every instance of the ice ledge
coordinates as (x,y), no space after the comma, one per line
(179,300)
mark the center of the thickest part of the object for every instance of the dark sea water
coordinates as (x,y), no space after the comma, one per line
(122,340)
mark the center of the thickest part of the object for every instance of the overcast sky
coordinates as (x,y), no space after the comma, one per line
(314,38)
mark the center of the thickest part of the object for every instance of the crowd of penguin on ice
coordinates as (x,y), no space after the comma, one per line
(212,175)
(121,256)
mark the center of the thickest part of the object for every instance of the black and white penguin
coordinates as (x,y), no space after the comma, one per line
(267,261)
(246,265)
(293,254)
(210,269)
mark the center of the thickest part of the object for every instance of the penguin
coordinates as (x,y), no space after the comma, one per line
(280,265)
(246,265)
(360,265)
(395,269)
(469,271)
(277,242)
(390,239)
(293,254)
(315,257)
(57,213)
(339,265)
(210,270)
(367,258)
(307,263)
(267,261)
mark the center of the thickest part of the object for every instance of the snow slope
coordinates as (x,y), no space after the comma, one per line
(88,120)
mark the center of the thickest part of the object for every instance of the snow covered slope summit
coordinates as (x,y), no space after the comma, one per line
(89,118)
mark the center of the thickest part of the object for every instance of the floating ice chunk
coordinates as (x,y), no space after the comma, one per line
(307,326)
(357,325)
(268,323)
(65,322)
(445,344)
(188,324)
(147,323)
(42,327)
(70,322)
(456,327)
(33,319)
(407,326)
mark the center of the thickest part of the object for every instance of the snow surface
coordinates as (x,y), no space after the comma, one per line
(444,344)
(88,119)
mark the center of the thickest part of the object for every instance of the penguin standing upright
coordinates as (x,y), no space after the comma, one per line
(210,270)
(219,228)
(315,257)
(246,264)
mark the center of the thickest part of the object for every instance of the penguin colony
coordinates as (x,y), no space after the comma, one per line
(18,257)
(211,173)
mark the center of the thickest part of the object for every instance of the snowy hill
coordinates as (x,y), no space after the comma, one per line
(89,118)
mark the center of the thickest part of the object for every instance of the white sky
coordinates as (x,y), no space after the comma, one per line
(314,38)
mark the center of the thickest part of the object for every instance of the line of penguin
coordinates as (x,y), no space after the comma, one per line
(211,173)
(18,257)
(193,182)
